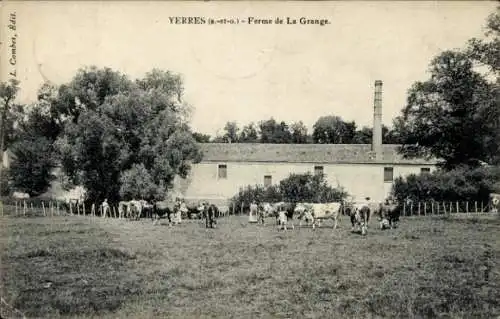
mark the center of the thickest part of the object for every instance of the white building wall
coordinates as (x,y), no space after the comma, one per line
(360,180)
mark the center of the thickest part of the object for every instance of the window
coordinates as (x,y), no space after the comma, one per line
(268,180)
(388,174)
(425,170)
(222,171)
(318,170)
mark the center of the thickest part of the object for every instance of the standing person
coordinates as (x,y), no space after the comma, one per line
(253,211)
(105,207)
(260,215)
(182,209)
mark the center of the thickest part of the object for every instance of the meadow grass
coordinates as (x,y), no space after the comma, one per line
(86,267)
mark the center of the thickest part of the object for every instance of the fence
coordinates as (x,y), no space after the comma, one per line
(45,208)
(48,207)
(32,207)
(444,208)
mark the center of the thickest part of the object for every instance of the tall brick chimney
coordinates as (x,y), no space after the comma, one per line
(377,121)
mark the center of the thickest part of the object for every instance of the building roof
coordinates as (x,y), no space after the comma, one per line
(304,153)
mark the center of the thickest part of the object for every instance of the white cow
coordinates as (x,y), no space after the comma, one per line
(318,212)
(135,209)
(304,212)
(326,211)
(123,208)
(20,195)
(495,202)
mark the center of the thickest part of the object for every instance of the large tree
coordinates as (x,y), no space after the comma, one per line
(487,50)
(33,151)
(201,138)
(120,131)
(332,129)
(452,115)
(273,132)
(249,134)
(299,133)
(31,169)
(8,93)
(231,134)
(455,115)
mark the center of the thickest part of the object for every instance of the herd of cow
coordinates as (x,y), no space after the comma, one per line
(312,213)
(172,211)
(284,212)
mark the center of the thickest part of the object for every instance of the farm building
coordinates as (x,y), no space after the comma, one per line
(227,167)
(363,170)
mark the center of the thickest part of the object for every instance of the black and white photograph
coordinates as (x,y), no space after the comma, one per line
(250,159)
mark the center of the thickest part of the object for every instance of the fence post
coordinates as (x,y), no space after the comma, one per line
(418,209)
(24,209)
(16,207)
(83,209)
(241,211)
(467,206)
(432,208)
(57,207)
(411,208)
(32,209)
(482,207)
(475,204)
(404,208)
(425,208)
(458,207)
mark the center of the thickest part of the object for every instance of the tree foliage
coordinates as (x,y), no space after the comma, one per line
(31,169)
(487,50)
(459,184)
(249,134)
(454,116)
(201,138)
(123,137)
(327,130)
(446,116)
(8,93)
(332,129)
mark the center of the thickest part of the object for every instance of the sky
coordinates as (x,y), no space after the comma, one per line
(246,72)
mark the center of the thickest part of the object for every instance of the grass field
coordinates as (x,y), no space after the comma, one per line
(83,267)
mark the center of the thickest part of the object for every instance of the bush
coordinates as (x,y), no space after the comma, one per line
(460,184)
(295,188)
